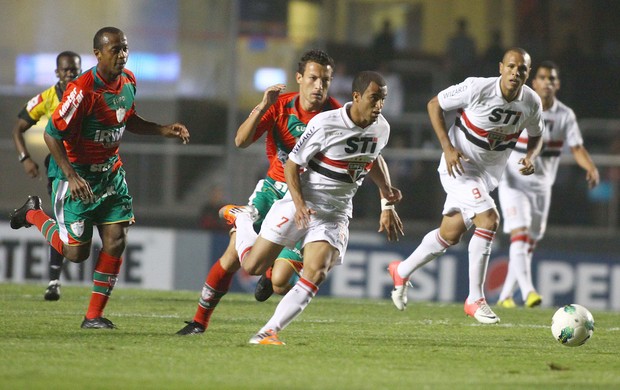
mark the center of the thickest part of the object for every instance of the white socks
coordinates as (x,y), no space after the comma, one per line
(291,305)
(479,253)
(431,247)
(519,267)
(246,236)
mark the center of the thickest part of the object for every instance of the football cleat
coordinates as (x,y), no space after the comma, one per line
(230,211)
(507,303)
(18,216)
(399,293)
(533,299)
(97,323)
(52,292)
(268,337)
(264,288)
(481,311)
(191,328)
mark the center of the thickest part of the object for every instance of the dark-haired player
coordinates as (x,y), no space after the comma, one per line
(282,117)
(89,189)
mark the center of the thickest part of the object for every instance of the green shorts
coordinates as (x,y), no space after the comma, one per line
(76,218)
(266,193)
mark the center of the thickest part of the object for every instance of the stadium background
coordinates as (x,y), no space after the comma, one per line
(199,60)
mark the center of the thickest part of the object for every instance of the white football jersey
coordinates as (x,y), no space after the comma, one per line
(338,155)
(487,127)
(561,127)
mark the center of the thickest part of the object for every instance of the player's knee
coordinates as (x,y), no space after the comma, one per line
(76,254)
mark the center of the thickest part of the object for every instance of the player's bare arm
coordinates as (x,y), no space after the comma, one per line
(78,186)
(246,131)
(583,159)
(303,212)
(534,144)
(380,175)
(453,156)
(389,221)
(30,166)
(138,125)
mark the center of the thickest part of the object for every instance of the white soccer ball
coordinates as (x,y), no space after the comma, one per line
(572,325)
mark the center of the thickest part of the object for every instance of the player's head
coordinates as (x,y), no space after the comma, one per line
(111,49)
(546,81)
(314,76)
(514,71)
(68,66)
(369,93)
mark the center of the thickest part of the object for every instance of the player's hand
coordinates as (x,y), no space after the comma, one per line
(593,178)
(303,215)
(271,95)
(392,195)
(453,162)
(177,130)
(80,189)
(528,166)
(392,225)
(31,168)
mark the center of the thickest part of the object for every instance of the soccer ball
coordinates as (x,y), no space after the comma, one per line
(572,325)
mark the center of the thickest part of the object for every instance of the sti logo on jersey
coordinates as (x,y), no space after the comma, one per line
(361,145)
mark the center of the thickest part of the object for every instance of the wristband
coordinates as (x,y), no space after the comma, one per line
(23,156)
(256,109)
(385,205)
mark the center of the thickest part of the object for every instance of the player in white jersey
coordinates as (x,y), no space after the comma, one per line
(492,112)
(338,149)
(525,200)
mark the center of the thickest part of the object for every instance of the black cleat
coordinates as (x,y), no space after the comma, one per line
(264,289)
(18,216)
(97,323)
(191,328)
(52,293)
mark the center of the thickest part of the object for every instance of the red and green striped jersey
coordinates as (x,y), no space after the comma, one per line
(91,119)
(284,122)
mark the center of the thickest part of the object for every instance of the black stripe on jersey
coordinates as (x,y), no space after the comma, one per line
(343,177)
(544,153)
(480,143)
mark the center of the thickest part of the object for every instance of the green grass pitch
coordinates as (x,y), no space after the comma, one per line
(334,344)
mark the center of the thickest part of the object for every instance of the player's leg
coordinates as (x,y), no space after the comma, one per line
(52,292)
(59,236)
(516,205)
(217,284)
(517,255)
(114,214)
(286,273)
(325,245)
(282,276)
(107,268)
(540,213)
(320,257)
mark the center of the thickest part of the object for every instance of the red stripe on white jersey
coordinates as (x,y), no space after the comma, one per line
(481,132)
(342,164)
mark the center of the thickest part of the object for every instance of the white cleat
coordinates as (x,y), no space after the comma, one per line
(481,311)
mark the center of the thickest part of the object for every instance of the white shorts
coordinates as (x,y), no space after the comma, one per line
(466,194)
(524,209)
(279,227)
